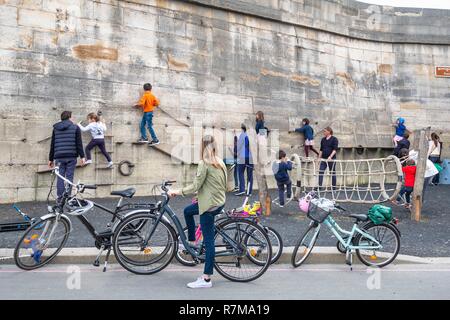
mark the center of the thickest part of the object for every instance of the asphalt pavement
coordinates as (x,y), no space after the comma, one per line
(279,282)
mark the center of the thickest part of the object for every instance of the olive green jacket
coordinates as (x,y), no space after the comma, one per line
(211,185)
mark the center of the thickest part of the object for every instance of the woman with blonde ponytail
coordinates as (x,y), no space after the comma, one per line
(210,183)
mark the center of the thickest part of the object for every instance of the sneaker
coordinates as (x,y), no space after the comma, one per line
(88,162)
(240,193)
(200,283)
(110,164)
(142,140)
(153,143)
(236,189)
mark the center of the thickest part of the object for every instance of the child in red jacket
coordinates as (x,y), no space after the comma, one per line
(409,172)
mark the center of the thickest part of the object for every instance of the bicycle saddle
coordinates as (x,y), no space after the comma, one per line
(128,193)
(359,217)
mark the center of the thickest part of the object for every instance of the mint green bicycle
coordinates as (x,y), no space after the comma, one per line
(376,245)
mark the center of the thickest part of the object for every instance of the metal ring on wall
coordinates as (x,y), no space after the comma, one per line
(130,166)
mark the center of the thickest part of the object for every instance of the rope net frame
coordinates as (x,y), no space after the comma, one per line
(368,181)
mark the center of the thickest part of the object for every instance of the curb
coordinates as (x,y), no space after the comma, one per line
(319,255)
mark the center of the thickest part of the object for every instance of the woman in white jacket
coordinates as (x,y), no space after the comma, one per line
(97,129)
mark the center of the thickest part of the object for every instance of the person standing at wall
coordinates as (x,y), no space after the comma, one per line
(245,162)
(327,154)
(148,102)
(259,122)
(65,148)
(308,132)
(280,169)
(434,154)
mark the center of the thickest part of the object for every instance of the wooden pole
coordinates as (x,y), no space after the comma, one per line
(258,148)
(421,145)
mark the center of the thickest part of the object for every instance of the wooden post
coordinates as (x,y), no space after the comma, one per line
(258,148)
(421,145)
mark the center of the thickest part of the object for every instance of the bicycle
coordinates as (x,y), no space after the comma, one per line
(152,248)
(370,241)
(48,234)
(275,239)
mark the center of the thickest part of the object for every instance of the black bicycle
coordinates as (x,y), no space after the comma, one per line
(48,234)
(185,258)
(151,248)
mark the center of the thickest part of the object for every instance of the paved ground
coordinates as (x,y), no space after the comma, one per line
(279,282)
(428,238)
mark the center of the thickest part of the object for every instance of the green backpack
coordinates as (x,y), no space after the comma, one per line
(379,214)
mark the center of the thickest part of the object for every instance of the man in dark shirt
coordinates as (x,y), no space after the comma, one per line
(402,144)
(65,148)
(328,148)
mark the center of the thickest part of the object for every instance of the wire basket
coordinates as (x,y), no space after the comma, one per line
(317,214)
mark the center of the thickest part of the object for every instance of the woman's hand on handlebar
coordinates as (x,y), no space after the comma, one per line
(173,193)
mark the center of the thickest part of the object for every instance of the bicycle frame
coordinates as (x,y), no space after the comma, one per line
(97,236)
(165,208)
(334,227)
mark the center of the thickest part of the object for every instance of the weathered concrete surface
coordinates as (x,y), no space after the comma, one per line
(347,64)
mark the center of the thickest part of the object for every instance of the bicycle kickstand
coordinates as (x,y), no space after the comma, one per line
(106,259)
(97,259)
(349,258)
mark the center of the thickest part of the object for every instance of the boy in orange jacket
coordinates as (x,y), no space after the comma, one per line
(148,102)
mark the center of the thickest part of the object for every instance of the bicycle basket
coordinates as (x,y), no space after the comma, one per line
(317,214)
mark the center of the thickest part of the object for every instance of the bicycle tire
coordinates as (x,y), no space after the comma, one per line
(312,227)
(65,221)
(366,228)
(132,265)
(262,268)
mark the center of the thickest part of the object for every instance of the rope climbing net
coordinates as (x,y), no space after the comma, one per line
(358,181)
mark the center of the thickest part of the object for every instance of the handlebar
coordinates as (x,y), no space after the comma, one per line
(167,183)
(80,187)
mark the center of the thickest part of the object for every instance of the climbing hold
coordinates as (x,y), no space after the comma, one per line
(129,165)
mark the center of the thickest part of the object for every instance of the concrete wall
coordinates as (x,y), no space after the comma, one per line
(342,63)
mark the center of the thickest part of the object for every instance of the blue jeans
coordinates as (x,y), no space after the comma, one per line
(281,185)
(332,170)
(407,192)
(435,159)
(67,170)
(147,120)
(241,170)
(207,225)
(235,174)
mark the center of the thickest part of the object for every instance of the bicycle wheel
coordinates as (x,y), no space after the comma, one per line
(183,256)
(387,236)
(276,243)
(233,240)
(131,251)
(41,242)
(305,245)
